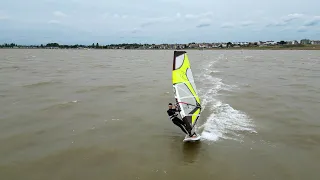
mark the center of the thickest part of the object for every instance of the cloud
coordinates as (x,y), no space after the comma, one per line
(54,22)
(291,17)
(203,25)
(246,23)
(115,15)
(285,20)
(227,25)
(302,29)
(135,30)
(120,16)
(199,16)
(203,18)
(59,14)
(152,21)
(276,24)
(313,21)
(205,21)
(159,20)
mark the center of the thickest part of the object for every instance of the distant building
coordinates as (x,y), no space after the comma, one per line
(305,41)
(270,43)
(294,42)
(315,42)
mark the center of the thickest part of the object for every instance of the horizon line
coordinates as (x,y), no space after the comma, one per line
(191,42)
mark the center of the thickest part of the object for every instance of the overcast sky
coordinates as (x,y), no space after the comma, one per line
(157,21)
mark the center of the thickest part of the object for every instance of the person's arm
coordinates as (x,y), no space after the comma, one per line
(176,108)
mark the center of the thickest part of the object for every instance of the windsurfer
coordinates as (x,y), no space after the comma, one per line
(185,127)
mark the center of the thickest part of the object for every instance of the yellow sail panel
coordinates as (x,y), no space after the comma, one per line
(184,87)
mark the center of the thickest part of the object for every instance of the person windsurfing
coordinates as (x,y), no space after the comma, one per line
(185,126)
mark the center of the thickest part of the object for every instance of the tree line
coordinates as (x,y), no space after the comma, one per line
(94,45)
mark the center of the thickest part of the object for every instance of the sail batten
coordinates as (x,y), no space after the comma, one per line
(184,88)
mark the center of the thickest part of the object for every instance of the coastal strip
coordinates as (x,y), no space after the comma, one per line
(304,44)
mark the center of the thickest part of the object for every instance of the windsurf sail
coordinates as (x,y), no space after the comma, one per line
(184,88)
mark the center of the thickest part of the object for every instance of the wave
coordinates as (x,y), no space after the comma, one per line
(41,83)
(223,121)
(117,88)
(62,105)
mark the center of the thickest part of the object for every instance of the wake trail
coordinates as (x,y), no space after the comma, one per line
(223,122)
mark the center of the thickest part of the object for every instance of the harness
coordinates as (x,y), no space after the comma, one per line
(173,116)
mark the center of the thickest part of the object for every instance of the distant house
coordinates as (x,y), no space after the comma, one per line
(305,41)
(270,43)
(315,42)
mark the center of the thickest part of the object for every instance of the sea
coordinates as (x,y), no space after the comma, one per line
(101,115)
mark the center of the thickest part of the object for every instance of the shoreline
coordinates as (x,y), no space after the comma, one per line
(186,49)
(285,47)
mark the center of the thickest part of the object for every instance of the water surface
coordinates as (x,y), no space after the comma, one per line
(101,114)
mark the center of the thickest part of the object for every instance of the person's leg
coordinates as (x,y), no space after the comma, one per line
(188,126)
(178,122)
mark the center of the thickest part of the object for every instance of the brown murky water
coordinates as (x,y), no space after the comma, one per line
(101,114)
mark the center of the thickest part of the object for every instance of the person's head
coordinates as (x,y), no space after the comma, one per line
(170,105)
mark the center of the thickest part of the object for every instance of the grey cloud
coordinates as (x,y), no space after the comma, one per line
(120,16)
(203,17)
(197,16)
(285,20)
(246,23)
(152,21)
(313,22)
(59,14)
(277,24)
(135,30)
(227,25)
(203,25)
(291,17)
(107,15)
(190,15)
(156,20)
(147,24)
(302,29)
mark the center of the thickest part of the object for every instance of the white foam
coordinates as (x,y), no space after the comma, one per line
(224,122)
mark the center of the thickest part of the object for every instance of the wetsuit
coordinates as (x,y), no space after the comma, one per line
(173,116)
